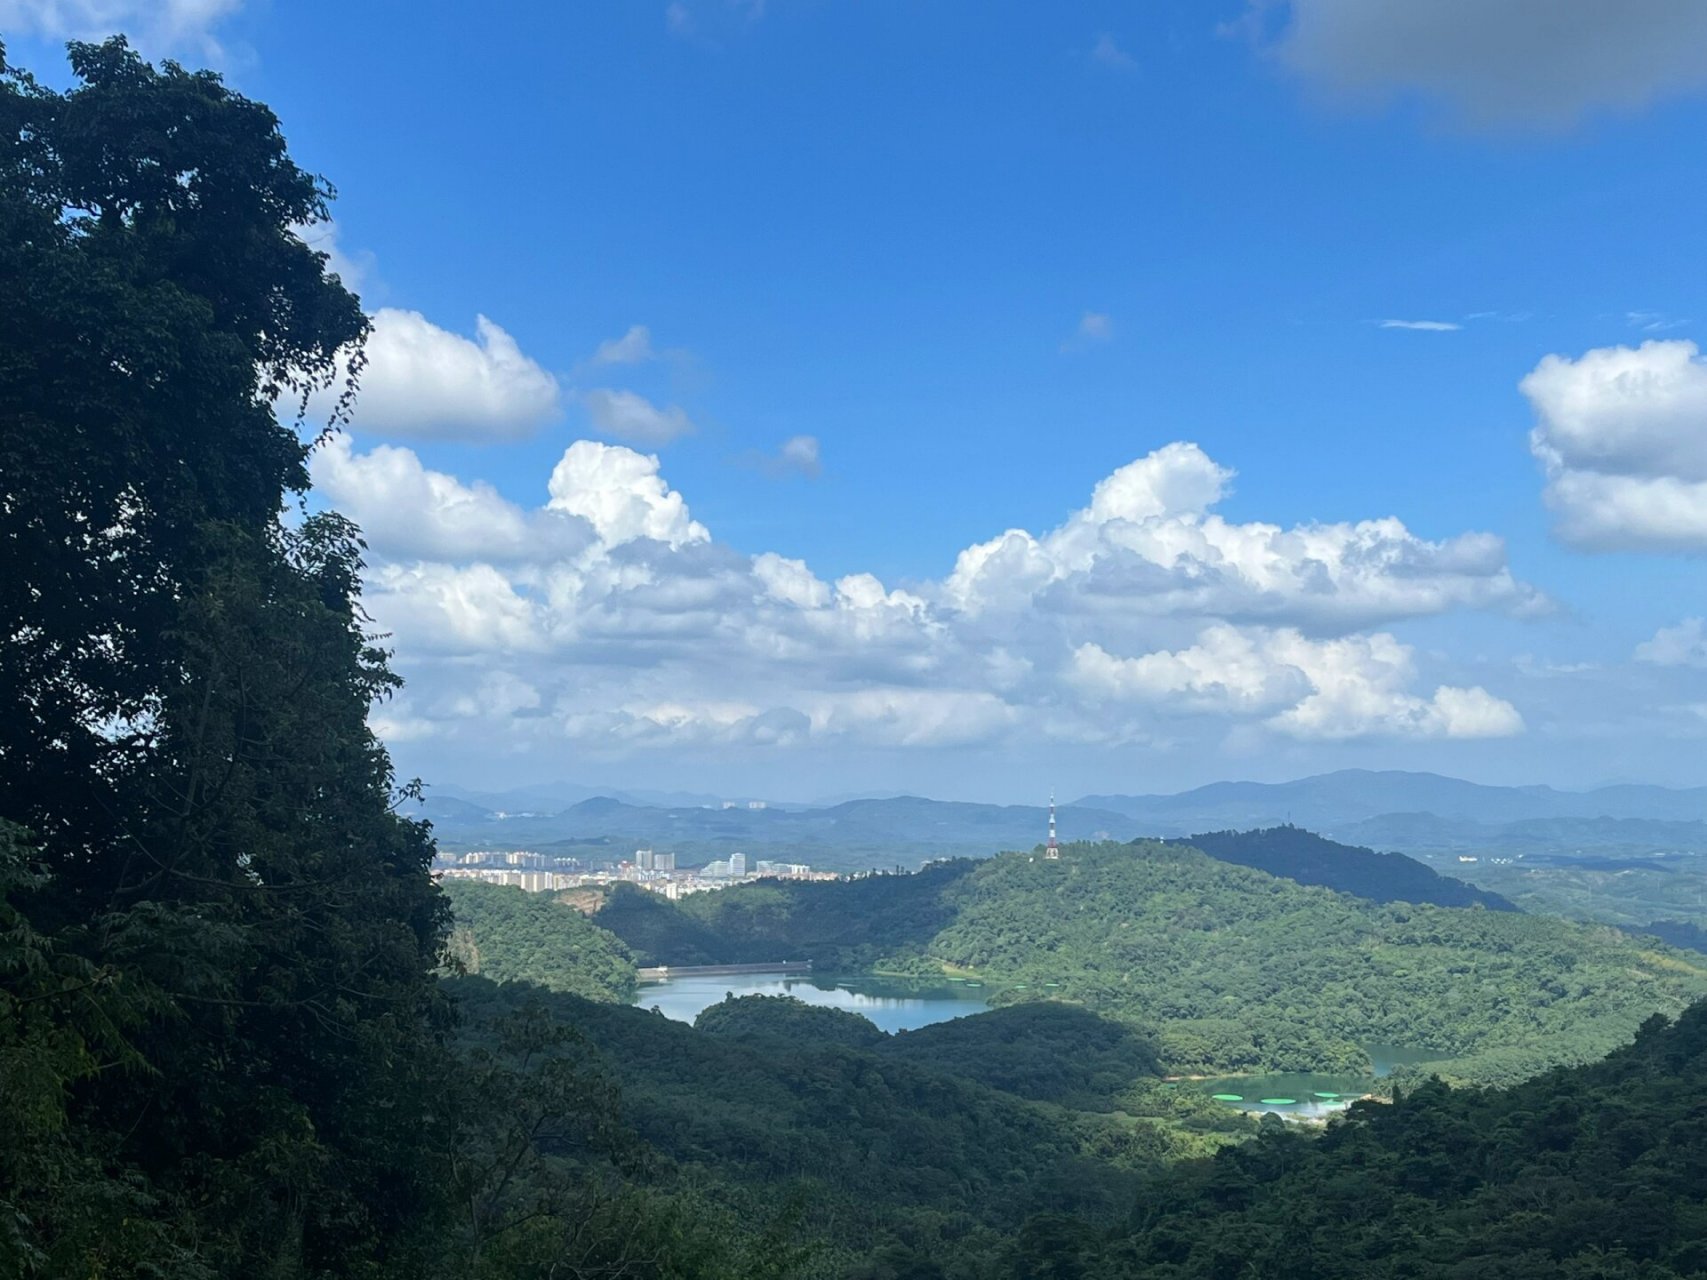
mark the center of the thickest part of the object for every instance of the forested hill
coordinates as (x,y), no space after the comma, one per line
(1222,967)
(503,933)
(769,1109)
(1677,933)
(1308,858)
(1593,1173)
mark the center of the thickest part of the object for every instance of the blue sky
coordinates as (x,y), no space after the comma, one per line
(972,259)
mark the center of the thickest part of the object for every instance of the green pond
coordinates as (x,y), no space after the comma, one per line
(1310,1095)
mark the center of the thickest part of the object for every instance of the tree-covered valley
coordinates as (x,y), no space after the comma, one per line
(244,1032)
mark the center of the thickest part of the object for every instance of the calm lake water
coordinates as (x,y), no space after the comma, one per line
(893,1004)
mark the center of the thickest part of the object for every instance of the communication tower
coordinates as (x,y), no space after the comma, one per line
(1052,850)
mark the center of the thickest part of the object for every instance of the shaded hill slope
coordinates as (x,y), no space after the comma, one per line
(1044,1050)
(864,1141)
(1597,1173)
(1308,858)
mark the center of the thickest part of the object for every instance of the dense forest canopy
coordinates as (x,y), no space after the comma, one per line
(1594,1173)
(885,1144)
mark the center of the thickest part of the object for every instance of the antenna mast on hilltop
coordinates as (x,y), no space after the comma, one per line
(1052,850)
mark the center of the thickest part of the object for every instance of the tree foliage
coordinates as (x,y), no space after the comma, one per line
(219,940)
(787,1018)
(502,933)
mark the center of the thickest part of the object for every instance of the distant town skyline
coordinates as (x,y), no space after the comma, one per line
(795,400)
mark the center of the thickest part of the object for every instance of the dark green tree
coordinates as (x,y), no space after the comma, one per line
(218,944)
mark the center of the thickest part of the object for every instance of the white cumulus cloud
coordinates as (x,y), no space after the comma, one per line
(610,618)
(1684,645)
(1621,436)
(153,26)
(634,347)
(407,510)
(622,495)
(1347,687)
(424,382)
(1149,545)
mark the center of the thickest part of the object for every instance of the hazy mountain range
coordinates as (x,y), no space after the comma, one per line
(1360,795)
(1408,812)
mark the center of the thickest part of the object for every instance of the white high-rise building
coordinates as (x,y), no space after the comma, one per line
(737,864)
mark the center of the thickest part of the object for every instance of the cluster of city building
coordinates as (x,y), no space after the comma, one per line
(652,869)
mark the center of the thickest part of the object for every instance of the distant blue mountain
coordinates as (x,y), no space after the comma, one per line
(550,797)
(1355,795)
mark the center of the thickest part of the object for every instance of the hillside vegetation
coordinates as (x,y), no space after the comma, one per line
(1223,968)
(875,920)
(1049,1051)
(786,1018)
(866,1147)
(1627,892)
(1592,1173)
(503,933)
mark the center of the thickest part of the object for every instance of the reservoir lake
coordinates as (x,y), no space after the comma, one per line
(894,1004)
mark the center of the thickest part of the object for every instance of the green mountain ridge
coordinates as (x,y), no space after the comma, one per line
(1224,968)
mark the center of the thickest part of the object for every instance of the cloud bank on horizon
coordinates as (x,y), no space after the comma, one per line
(610,618)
